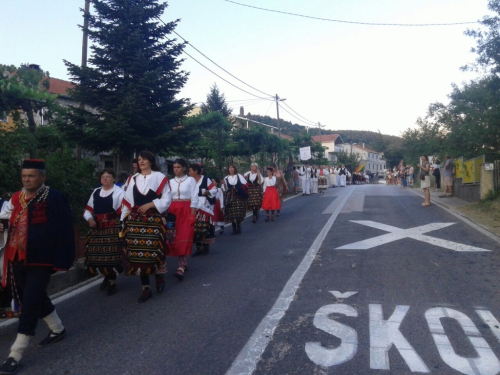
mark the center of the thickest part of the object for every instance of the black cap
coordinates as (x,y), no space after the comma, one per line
(33,164)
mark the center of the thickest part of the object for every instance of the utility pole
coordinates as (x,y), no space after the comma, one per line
(84,58)
(277,98)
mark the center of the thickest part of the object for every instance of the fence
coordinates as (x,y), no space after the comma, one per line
(470,170)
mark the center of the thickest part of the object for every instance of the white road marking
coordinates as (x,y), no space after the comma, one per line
(488,318)
(339,295)
(247,359)
(485,363)
(349,338)
(384,334)
(416,233)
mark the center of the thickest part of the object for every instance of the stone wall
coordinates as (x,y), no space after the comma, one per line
(469,192)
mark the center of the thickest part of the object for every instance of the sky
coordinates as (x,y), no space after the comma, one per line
(343,76)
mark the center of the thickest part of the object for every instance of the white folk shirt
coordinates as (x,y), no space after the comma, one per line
(155,181)
(118,194)
(252,177)
(184,188)
(269,182)
(203,203)
(232,180)
(305,173)
(220,197)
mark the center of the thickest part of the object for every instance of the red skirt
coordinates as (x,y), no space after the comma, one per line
(184,228)
(218,214)
(271,199)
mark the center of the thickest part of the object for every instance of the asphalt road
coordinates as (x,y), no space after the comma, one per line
(360,280)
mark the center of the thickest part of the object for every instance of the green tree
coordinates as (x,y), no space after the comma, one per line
(216,102)
(23,93)
(130,87)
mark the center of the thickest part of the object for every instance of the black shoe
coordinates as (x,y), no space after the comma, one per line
(104,284)
(10,366)
(51,338)
(238,228)
(221,230)
(206,250)
(234,229)
(111,289)
(180,273)
(146,294)
(160,283)
(199,251)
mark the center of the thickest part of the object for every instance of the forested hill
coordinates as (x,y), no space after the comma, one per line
(390,145)
(371,139)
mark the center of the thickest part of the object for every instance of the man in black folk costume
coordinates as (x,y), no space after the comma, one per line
(41,242)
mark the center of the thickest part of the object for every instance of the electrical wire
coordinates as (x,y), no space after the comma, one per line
(211,71)
(295,117)
(312,122)
(213,62)
(352,22)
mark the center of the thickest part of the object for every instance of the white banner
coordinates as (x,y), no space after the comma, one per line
(305,153)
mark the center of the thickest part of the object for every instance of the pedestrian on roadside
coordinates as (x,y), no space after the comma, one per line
(236,198)
(425,179)
(295,179)
(147,198)
(255,180)
(41,241)
(204,233)
(280,184)
(411,171)
(271,201)
(219,205)
(448,177)
(436,172)
(103,251)
(184,206)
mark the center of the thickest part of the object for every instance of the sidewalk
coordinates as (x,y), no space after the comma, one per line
(449,202)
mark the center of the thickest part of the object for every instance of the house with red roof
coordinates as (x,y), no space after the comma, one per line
(373,160)
(332,143)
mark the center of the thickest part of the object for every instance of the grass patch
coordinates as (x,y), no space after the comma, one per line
(485,212)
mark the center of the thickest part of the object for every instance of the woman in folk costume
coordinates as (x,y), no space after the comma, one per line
(255,181)
(323,179)
(219,206)
(103,253)
(145,228)
(204,233)
(183,207)
(280,184)
(236,199)
(271,199)
(314,179)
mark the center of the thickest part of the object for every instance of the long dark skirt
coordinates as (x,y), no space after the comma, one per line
(235,207)
(254,197)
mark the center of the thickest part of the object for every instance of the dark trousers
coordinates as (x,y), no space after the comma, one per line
(32,283)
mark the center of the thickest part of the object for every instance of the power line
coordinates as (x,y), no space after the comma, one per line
(351,22)
(213,62)
(211,71)
(296,117)
(312,122)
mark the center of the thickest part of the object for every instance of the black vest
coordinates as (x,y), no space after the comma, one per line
(103,205)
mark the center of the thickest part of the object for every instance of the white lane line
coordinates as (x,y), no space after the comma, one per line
(73,291)
(247,359)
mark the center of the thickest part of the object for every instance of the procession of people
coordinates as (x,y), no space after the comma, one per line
(133,227)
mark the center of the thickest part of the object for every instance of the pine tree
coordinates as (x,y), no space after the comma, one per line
(130,85)
(216,102)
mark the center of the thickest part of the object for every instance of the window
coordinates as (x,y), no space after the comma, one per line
(108,164)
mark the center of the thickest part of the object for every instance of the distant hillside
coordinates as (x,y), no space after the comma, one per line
(390,145)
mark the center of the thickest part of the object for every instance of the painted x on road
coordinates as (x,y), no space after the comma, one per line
(416,233)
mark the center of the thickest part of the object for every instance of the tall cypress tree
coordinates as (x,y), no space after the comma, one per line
(130,84)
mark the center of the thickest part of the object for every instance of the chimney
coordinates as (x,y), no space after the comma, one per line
(242,111)
(34,66)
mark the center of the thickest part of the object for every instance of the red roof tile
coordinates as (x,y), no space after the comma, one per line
(325,138)
(59,86)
